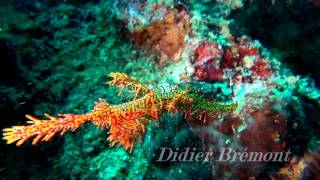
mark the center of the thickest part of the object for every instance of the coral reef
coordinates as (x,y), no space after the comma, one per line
(241,61)
(306,167)
(289,39)
(260,54)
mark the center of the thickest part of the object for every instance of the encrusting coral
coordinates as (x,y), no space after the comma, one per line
(126,122)
(165,35)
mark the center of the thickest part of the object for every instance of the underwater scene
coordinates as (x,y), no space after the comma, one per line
(160,89)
